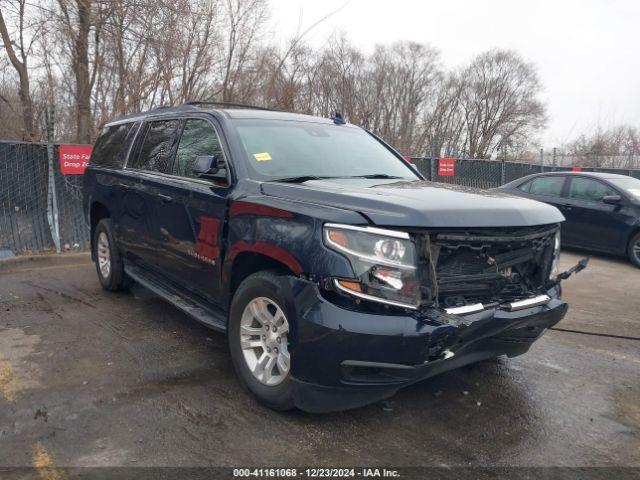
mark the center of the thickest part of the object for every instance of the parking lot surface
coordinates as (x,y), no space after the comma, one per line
(91,378)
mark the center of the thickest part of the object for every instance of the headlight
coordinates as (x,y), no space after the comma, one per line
(384,262)
(553,273)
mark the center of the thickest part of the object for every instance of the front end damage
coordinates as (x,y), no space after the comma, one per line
(485,293)
(467,270)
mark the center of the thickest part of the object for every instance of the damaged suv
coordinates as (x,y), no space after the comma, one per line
(337,272)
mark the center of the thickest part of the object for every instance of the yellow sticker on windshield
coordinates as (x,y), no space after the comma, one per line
(262,157)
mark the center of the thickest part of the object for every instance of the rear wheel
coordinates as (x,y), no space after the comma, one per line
(258,340)
(633,250)
(108,262)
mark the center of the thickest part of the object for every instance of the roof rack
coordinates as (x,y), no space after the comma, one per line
(226,104)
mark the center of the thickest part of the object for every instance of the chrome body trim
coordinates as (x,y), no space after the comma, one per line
(476,307)
(374,230)
(529,302)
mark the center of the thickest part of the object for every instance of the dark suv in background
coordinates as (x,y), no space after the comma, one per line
(337,272)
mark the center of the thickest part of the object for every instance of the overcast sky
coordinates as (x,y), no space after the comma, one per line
(587,51)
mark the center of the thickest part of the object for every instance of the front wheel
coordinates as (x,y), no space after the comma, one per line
(633,250)
(259,340)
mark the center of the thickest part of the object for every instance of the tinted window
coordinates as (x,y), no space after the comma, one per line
(112,145)
(547,186)
(158,147)
(199,137)
(588,190)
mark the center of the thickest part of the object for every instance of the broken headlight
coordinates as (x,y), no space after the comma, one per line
(553,273)
(384,263)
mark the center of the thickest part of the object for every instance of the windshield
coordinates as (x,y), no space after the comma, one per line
(630,185)
(285,150)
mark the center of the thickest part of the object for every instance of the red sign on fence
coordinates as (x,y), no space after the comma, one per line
(74,158)
(576,168)
(446,167)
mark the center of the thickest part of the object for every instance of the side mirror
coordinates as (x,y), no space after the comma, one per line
(210,167)
(612,199)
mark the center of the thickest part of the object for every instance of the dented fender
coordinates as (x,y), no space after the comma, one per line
(287,232)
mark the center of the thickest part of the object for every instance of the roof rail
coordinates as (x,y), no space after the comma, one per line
(226,104)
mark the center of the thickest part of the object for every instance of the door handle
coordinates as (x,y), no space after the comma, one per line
(165,198)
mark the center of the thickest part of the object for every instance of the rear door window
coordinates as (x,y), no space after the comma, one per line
(113,144)
(547,186)
(159,145)
(199,137)
(589,190)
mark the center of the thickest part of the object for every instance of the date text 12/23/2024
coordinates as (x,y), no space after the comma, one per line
(315,473)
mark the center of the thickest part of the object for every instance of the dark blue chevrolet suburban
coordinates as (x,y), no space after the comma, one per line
(337,272)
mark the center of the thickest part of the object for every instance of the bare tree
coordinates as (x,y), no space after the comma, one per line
(615,147)
(404,78)
(99,58)
(444,125)
(19,60)
(500,102)
(78,20)
(242,30)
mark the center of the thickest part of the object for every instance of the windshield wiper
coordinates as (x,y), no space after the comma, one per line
(305,178)
(375,175)
(300,179)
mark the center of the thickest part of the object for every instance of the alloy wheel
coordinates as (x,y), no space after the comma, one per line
(104,255)
(264,330)
(636,250)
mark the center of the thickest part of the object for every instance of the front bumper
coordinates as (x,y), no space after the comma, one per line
(343,358)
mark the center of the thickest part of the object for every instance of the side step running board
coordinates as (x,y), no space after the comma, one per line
(216,320)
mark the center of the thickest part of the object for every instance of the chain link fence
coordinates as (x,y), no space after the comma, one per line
(41,209)
(74,232)
(24,225)
(487,174)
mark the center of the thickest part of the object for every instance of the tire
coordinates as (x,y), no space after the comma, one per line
(633,250)
(109,265)
(271,384)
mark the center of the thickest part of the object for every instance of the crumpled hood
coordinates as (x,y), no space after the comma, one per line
(419,203)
